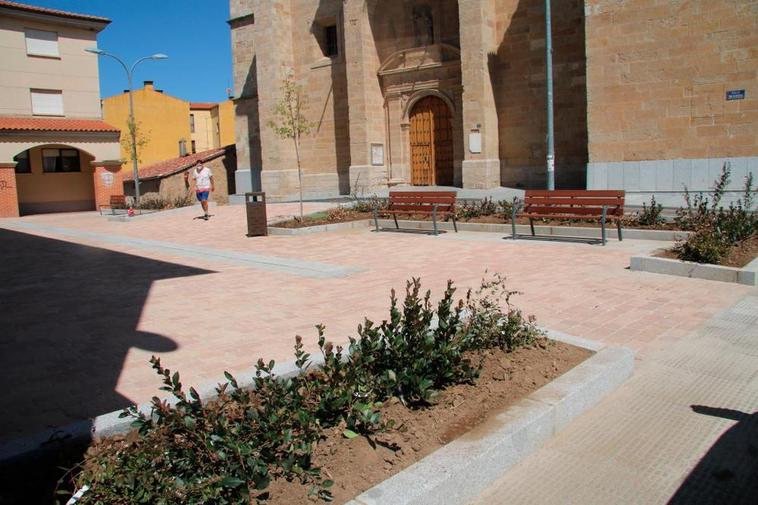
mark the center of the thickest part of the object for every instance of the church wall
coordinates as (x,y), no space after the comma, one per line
(519,79)
(658,76)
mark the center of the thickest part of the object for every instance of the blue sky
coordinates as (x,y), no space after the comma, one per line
(193,33)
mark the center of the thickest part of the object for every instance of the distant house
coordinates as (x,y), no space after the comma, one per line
(56,152)
(167,178)
(170,126)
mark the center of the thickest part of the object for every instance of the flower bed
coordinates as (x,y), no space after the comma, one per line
(289,435)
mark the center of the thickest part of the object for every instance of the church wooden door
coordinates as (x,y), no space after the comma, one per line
(431,136)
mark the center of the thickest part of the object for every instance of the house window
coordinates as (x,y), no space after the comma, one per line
(182,147)
(42,43)
(60,160)
(192,123)
(330,39)
(193,147)
(47,102)
(22,163)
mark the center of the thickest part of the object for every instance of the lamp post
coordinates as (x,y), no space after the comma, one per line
(132,125)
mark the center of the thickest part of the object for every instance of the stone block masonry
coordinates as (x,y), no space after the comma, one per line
(658,74)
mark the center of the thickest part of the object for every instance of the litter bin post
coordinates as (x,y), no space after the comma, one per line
(255,206)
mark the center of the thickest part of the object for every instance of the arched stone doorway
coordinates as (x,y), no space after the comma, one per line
(431,139)
(54,178)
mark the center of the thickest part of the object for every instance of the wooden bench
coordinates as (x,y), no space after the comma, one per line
(572,204)
(434,203)
(116,202)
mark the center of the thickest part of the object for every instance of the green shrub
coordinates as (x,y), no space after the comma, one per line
(715,229)
(369,204)
(650,216)
(228,450)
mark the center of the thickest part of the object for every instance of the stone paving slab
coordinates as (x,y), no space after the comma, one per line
(683,430)
(93,302)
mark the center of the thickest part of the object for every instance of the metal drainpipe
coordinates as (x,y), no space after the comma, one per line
(549,70)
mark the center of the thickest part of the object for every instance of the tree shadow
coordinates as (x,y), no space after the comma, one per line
(728,473)
(517,74)
(71,314)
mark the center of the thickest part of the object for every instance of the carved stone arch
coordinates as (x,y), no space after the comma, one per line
(418,95)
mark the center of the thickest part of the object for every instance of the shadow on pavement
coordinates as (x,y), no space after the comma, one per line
(728,473)
(70,316)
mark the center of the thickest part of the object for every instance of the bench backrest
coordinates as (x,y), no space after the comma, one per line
(422,201)
(118,200)
(579,202)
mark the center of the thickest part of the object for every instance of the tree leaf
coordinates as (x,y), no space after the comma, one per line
(349,434)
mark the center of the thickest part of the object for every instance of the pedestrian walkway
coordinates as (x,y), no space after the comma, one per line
(682,430)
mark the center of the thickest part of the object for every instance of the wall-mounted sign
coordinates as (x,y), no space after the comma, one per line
(107,179)
(475,142)
(735,94)
(377,154)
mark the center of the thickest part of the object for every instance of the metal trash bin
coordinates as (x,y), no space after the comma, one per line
(255,205)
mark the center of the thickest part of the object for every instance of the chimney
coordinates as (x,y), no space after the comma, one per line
(149,85)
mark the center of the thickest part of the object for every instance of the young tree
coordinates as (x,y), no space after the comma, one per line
(141,140)
(290,122)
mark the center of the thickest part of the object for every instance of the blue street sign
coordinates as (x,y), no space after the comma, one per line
(735,94)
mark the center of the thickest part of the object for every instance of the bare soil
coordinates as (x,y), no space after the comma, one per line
(326,217)
(358,464)
(739,256)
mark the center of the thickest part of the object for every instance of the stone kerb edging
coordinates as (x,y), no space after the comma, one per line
(505,229)
(462,469)
(747,275)
(274,230)
(545,230)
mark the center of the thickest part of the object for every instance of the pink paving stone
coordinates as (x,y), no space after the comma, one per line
(222,316)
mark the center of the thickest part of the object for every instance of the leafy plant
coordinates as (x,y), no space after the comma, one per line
(715,229)
(650,216)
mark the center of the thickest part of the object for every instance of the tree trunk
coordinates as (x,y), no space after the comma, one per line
(299,174)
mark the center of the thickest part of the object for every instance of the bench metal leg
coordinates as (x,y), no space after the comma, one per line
(618,224)
(434,218)
(376,219)
(602,223)
(397,226)
(455,225)
(531,225)
(513,219)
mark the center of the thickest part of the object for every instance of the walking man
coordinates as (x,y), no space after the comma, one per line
(203,185)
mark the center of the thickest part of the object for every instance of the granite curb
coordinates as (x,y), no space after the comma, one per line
(466,466)
(747,275)
(505,229)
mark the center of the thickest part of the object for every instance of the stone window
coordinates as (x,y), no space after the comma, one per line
(192,123)
(423,25)
(194,150)
(331,44)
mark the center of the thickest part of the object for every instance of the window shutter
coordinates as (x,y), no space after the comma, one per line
(41,43)
(47,102)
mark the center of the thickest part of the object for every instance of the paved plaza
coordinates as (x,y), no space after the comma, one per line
(86,302)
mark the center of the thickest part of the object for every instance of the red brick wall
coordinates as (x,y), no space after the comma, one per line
(108,181)
(8,192)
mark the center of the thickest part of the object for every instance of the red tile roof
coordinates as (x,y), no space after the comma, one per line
(203,105)
(55,12)
(175,165)
(54,124)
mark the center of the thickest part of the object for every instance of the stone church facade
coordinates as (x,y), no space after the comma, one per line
(452,93)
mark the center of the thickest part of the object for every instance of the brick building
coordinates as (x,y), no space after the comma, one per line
(56,152)
(452,92)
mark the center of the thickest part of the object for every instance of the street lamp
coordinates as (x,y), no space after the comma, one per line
(132,125)
(549,83)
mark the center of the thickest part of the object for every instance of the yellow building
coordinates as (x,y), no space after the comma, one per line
(169,126)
